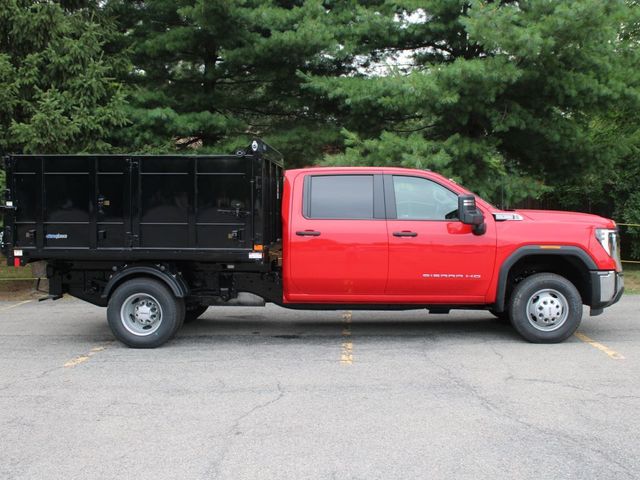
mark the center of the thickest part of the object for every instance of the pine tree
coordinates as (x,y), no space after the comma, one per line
(57,84)
(212,73)
(500,95)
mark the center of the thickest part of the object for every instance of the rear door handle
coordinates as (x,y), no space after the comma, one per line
(308,233)
(405,233)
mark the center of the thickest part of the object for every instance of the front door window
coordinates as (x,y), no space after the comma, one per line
(422,199)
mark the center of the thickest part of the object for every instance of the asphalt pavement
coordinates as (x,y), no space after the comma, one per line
(269,393)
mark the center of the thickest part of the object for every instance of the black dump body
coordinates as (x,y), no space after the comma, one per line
(213,208)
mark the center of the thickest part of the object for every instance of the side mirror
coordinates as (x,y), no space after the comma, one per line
(469,214)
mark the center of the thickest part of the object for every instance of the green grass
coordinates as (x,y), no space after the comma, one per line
(631,277)
(12,273)
(16,283)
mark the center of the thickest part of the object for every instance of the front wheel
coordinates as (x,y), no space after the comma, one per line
(144,313)
(545,308)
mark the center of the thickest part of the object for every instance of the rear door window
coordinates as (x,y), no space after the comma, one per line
(339,197)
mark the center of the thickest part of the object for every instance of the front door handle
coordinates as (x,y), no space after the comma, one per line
(405,233)
(308,233)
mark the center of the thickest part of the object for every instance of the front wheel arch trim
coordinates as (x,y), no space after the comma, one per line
(535,250)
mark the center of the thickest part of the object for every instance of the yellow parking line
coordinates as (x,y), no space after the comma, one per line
(76,361)
(346,358)
(84,357)
(603,348)
(15,305)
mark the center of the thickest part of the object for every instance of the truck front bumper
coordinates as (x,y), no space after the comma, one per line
(607,287)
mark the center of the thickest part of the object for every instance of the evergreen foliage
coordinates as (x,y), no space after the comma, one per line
(58,87)
(501,95)
(210,74)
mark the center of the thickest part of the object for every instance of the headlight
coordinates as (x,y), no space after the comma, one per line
(610,241)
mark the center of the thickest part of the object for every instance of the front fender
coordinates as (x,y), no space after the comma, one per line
(533,250)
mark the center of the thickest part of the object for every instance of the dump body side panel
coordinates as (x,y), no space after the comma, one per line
(117,207)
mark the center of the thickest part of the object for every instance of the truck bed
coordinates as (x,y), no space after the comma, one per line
(217,208)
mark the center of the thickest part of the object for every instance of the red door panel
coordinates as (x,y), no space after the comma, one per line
(349,257)
(444,262)
(432,259)
(333,260)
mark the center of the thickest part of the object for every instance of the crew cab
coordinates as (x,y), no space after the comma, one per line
(159,239)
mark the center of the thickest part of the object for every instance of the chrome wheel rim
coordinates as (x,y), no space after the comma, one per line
(547,310)
(141,314)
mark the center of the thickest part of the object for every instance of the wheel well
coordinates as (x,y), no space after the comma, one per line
(175,283)
(133,276)
(568,266)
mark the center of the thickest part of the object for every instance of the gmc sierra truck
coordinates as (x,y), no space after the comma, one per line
(159,239)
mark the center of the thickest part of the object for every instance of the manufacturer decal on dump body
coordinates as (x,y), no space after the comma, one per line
(57,236)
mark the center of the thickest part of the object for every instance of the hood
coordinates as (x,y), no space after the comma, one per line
(558,216)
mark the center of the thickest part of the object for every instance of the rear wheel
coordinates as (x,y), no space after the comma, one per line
(194,312)
(144,313)
(545,308)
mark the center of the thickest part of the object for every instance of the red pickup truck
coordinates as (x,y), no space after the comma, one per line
(159,239)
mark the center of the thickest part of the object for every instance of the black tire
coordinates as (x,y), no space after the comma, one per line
(194,312)
(502,317)
(134,293)
(551,296)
